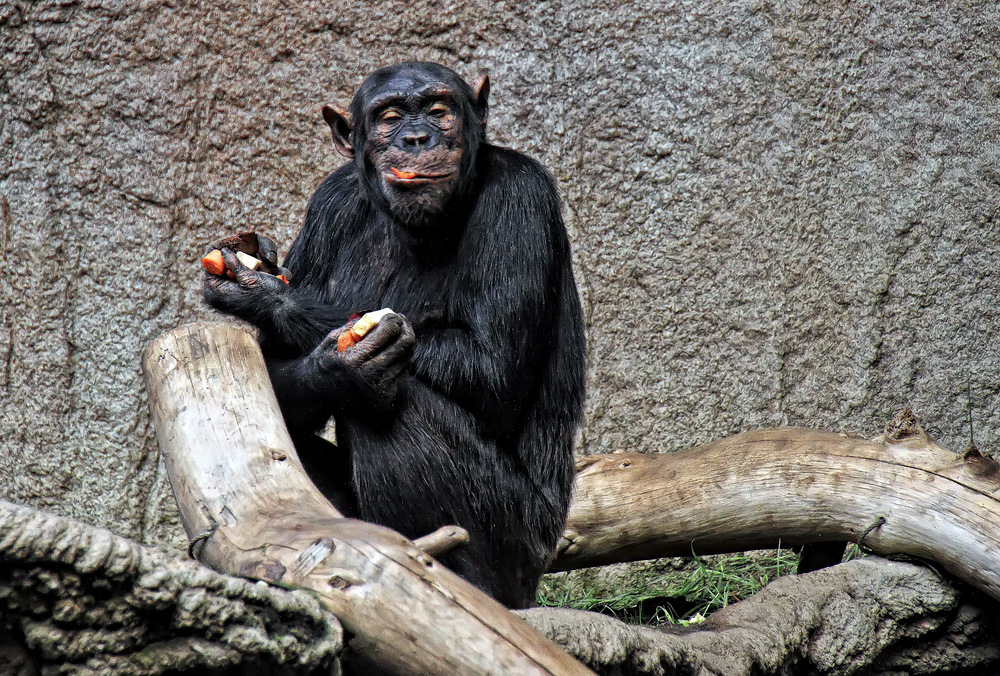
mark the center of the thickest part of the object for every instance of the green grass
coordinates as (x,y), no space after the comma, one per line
(685,597)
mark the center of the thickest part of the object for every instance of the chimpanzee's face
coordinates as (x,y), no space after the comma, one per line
(414,143)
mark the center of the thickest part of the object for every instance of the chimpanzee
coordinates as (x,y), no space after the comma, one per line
(461,407)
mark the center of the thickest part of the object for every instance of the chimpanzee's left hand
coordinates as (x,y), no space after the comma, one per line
(367,374)
(249,295)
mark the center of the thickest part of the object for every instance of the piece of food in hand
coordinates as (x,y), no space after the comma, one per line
(248,260)
(214,262)
(249,244)
(361,328)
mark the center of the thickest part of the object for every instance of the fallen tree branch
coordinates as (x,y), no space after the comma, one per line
(794,486)
(78,600)
(244,496)
(251,510)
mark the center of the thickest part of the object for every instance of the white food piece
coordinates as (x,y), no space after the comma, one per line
(248,260)
(368,322)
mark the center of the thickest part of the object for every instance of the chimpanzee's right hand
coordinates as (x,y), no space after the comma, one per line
(250,295)
(368,373)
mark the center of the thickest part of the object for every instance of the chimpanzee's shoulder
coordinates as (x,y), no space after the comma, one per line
(341,180)
(512,169)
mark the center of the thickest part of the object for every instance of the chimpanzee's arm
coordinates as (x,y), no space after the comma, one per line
(490,357)
(305,319)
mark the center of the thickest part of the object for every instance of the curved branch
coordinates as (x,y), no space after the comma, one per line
(795,486)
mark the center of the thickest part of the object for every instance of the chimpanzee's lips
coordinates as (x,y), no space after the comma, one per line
(403,177)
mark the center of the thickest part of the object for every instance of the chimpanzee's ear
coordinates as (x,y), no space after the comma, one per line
(340,124)
(481,93)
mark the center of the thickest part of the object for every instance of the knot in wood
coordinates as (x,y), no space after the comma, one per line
(902,426)
(263,569)
(342,580)
(570,543)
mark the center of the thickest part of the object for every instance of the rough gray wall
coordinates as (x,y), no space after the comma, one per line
(782,212)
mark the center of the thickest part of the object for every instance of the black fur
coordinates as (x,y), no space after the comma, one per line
(480,434)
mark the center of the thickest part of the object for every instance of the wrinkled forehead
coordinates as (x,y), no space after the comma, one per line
(407,83)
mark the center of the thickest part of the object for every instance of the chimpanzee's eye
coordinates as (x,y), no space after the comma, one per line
(390,115)
(438,110)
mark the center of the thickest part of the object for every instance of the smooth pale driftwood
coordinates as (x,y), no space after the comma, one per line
(251,510)
(442,540)
(794,486)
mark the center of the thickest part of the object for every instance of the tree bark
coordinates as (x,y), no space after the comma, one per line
(250,509)
(869,616)
(791,486)
(83,601)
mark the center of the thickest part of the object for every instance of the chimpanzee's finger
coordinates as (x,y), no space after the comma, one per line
(267,250)
(407,337)
(232,262)
(397,355)
(244,275)
(401,349)
(234,265)
(330,341)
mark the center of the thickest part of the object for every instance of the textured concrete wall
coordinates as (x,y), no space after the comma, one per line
(782,212)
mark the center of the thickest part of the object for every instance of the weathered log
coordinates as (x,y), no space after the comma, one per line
(251,510)
(868,616)
(794,486)
(67,589)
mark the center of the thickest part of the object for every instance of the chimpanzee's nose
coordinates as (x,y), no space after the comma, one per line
(416,139)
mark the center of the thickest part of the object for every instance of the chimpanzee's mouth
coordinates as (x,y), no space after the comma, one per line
(412,178)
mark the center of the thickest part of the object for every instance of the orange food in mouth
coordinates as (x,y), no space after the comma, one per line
(403,174)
